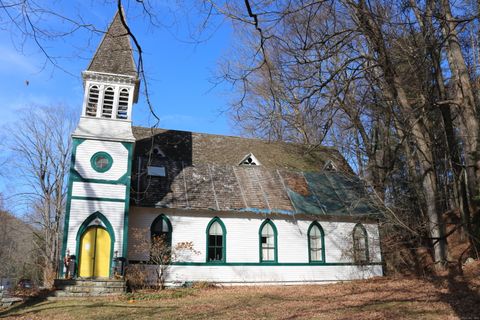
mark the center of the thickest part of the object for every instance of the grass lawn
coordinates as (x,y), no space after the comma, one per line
(381,298)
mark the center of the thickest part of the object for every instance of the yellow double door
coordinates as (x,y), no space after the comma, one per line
(95,248)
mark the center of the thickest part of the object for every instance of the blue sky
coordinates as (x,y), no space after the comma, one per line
(179,71)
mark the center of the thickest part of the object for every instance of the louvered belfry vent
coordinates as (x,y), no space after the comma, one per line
(92,102)
(122,104)
(108,98)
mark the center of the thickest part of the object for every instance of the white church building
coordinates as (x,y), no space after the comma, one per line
(256,212)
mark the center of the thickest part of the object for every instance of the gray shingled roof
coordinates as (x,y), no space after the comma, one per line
(203,172)
(114,54)
(199,148)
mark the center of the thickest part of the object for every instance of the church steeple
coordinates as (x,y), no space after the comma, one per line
(98,197)
(114,54)
(111,87)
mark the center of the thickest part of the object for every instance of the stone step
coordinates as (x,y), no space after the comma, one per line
(122,285)
(93,289)
(7,302)
(88,287)
(66,294)
(89,283)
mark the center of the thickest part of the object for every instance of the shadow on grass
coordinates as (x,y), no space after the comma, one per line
(39,304)
(462,295)
(28,303)
(80,307)
(292,306)
(382,298)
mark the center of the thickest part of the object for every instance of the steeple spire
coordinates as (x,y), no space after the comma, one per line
(111,88)
(114,54)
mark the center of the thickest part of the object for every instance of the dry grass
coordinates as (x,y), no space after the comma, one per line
(442,298)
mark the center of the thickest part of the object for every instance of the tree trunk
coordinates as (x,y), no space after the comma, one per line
(464,98)
(418,130)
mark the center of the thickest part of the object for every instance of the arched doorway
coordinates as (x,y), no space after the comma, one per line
(95,247)
(95,239)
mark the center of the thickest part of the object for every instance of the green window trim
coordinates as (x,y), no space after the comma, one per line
(66,224)
(275,242)
(127,179)
(322,236)
(165,219)
(355,246)
(224,241)
(96,156)
(265,264)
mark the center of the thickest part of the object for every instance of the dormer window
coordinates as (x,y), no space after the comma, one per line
(330,166)
(157,151)
(250,160)
(92,101)
(123,104)
(107,107)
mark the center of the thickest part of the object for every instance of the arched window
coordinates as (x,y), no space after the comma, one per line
(316,243)
(162,228)
(92,101)
(360,244)
(122,111)
(216,240)
(268,242)
(108,97)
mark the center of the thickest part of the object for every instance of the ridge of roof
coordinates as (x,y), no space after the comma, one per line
(114,53)
(197,148)
(206,134)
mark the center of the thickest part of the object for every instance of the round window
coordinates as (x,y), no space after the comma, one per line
(101,161)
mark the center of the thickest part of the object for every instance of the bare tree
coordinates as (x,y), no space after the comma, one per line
(160,252)
(39,147)
(16,252)
(376,68)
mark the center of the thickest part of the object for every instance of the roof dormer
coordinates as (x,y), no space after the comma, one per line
(330,166)
(249,160)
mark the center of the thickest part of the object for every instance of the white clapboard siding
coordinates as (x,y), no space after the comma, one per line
(82,209)
(98,190)
(237,275)
(88,148)
(339,242)
(243,237)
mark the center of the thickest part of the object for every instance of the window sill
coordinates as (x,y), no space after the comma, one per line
(216,262)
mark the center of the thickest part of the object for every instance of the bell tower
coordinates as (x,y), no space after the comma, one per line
(96,217)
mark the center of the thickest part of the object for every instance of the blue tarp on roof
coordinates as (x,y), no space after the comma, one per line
(333,193)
